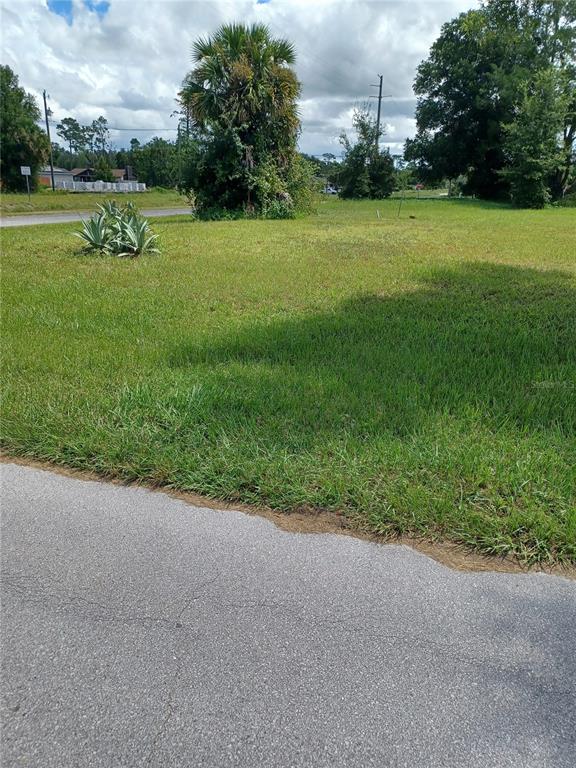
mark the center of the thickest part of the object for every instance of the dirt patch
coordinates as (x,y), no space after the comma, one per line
(309,521)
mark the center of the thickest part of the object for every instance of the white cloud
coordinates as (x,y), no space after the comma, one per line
(128,65)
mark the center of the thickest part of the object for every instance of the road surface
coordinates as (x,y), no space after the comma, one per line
(27,220)
(141,631)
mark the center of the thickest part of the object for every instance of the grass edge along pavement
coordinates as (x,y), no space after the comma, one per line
(457,557)
(412,375)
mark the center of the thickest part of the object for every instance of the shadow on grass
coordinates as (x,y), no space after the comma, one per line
(496,343)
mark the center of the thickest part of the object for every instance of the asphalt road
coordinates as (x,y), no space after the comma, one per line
(141,631)
(27,220)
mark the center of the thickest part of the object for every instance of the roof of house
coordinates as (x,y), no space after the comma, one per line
(78,171)
(116,172)
(46,169)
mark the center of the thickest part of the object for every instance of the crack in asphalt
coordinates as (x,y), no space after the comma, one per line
(170,711)
(38,594)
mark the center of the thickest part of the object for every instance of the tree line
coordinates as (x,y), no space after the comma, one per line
(157,162)
(496,117)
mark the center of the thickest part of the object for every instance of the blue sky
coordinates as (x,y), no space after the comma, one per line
(65,8)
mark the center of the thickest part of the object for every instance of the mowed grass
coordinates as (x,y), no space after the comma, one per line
(46,201)
(417,375)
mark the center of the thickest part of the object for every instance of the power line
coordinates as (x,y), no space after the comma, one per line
(134,130)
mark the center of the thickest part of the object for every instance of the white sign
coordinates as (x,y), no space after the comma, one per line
(25,170)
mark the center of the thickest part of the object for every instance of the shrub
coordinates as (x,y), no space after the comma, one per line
(365,171)
(568,201)
(118,230)
(219,185)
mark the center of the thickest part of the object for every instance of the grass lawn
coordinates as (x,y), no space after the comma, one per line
(46,201)
(416,374)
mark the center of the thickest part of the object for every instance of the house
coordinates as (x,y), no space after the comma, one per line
(83,174)
(124,174)
(60,175)
(86,180)
(89,174)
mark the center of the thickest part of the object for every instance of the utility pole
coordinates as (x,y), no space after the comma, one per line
(379,111)
(379,97)
(179,142)
(49,141)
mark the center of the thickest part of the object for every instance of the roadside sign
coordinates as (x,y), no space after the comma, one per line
(25,171)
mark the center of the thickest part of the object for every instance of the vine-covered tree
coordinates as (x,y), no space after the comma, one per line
(241,101)
(21,140)
(472,89)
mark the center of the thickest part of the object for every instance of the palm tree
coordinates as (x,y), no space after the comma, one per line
(243,80)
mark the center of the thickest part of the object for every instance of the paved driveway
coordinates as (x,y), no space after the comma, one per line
(141,631)
(27,220)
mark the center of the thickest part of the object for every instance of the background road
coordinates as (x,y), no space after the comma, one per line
(27,220)
(141,631)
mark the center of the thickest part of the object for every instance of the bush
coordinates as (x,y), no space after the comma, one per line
(118,230)
(283,193)
(366,171)
(219,185)
(568,201)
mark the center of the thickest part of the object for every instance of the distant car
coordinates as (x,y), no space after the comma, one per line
(330,190)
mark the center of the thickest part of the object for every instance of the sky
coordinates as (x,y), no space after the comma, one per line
(126,59)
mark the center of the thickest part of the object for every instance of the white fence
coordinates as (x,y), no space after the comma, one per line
(101,186)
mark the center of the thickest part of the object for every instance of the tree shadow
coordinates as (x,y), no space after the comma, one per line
(534,630)
(492,341)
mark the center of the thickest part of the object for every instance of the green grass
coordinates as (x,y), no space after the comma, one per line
(416,374)
(46,201)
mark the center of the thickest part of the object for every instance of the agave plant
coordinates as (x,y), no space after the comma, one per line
(95,232)
(132,236)
(109,208)
(119,230)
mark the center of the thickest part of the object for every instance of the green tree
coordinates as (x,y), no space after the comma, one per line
(406,174)
(22,142)
(325,167)
(531,141)
(156,163)
(88,140)
(72,133)
(241,101)
(102,170)
(121,158)
(100,136)
(473,83)
(366,170)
